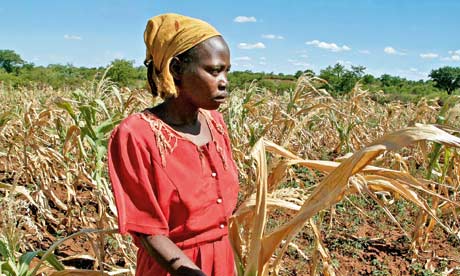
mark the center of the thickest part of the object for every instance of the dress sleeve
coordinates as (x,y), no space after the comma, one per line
(131,175)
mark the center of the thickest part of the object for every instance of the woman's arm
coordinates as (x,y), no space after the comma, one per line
(169,256)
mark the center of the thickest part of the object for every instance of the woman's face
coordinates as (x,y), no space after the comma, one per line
(204,82)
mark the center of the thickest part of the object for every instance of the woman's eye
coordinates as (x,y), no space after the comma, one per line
(215,72)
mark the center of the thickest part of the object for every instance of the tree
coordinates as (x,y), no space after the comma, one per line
(358,71)
(300,73)
(341,80)
(368,79)
(446,78)
(388,80)
(10,61)
(123,72)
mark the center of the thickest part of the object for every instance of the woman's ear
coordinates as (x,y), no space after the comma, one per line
(150,68)
(175,67)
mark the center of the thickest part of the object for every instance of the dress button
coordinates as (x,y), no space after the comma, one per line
(221,226)
(213,174)
(219,200)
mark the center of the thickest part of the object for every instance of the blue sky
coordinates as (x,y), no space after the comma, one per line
(407,38)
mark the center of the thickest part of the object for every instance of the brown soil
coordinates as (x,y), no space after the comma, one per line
(77,252)
(358,245)
(377,247)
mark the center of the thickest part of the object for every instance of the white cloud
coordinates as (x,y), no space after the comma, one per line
(298,63)
(364,52)
(392,51)
(272,36)
(301,64)
(263,58)
(243,58)
(429,55)
(246,46)
(262,63)
(454,55)
(412,73)
(72,37)
(389,50)
(244,19)
(304,56)
(328,46)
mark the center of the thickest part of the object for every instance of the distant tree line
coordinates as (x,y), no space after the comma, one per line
(17,72)
(340,81)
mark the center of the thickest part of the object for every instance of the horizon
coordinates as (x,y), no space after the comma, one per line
(399,38)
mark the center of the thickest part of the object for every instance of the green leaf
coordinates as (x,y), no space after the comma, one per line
(4,250)
(23,269)
(12,267)
(5,117)
(101,152)
(104,108)
(5,268)
(1,268)
(24,262)
(52,260)
(61,103)
(56,244)
(88,114)
(28,256)
(106,127)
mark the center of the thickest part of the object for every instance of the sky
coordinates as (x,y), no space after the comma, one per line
(406,38)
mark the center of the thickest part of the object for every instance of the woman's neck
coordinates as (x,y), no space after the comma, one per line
(175,113)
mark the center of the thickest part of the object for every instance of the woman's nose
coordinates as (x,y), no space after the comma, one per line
(223,82)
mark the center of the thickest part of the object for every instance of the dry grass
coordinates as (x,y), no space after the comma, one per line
(53,156)
(316,126)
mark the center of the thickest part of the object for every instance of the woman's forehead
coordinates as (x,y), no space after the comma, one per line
(212,46)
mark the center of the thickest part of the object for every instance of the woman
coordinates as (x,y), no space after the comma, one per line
(173,175)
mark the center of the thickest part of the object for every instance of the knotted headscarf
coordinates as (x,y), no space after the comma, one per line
(167,36)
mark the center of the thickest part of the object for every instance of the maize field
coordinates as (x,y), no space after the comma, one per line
(329,186)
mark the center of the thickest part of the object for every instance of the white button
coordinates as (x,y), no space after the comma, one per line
(213,174)
(219,200)
(221,226)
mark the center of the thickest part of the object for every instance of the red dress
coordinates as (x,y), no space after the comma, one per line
(165,184)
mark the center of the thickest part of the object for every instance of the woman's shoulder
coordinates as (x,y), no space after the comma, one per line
(146,130)
(133,124)
(139,126)
(138,130)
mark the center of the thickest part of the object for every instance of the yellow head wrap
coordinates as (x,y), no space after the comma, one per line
(167,36)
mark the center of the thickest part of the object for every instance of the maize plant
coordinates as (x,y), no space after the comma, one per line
(300,152)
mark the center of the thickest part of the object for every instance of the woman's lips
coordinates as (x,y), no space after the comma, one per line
(221,98)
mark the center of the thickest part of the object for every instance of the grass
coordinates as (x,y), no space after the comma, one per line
(53,153)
